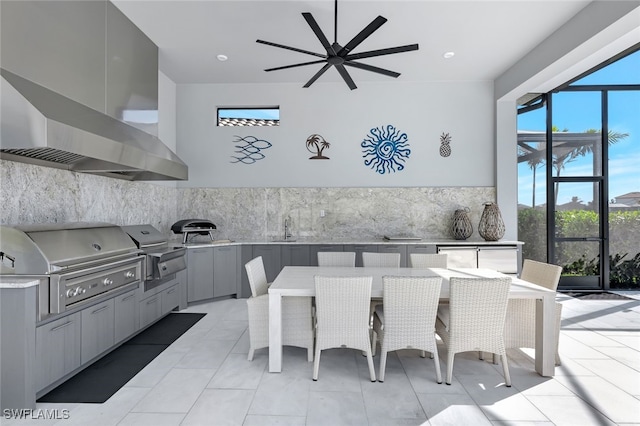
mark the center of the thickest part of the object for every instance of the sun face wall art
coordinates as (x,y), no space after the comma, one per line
(385,149)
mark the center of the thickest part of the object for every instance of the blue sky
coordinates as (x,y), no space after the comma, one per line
(579,111)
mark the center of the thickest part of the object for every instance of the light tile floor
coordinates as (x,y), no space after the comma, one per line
(204,378)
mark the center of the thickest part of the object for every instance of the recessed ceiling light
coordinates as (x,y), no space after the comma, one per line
(222,58)
(448,55)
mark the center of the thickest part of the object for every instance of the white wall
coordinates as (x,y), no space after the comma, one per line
(343,118)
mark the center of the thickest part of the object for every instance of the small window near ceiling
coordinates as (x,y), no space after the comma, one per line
(252,116)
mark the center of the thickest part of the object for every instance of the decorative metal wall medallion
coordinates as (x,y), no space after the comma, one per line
(385,149)
(445,148)
(250,149)
(317,144)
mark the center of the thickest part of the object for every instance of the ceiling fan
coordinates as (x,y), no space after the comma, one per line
(338,56)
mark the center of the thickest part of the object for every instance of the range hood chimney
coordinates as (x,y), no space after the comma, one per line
(42,127)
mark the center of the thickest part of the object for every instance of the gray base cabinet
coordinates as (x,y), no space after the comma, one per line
(295,255)
(126,316)
(199,274)
(315,248)
(150,309)
(97,330)
(170,299)
(359,249)
(271,258)
(396,248)
(57,349)
(225,277)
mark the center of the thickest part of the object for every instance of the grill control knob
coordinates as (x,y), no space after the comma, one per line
(107,281)
(71,292)
(129,274)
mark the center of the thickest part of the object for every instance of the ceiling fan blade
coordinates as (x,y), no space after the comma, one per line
(317,75)
(346,77)
(381,52)
(318,32)
(296,65)
(366,32)
(295,49)
(371,68)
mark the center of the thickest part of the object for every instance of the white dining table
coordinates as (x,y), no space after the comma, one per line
(296,281)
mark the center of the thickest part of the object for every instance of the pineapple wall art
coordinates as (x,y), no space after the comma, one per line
(445,147)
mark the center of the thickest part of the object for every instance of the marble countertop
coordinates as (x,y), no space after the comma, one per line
(316,241)
(12,281)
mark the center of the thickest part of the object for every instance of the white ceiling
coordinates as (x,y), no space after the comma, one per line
(488,37)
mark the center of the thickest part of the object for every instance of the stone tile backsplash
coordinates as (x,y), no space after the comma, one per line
(33,194)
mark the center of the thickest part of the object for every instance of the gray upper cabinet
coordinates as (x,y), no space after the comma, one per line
(87,51)
(132,71)
(59,45)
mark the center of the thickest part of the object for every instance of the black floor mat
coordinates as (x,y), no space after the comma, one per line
(103,378)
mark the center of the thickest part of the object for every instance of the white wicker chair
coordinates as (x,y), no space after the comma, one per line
(337,258)
(297,327)
(409,317)
(474,319)
(520,325)
(342,314)
(381,260)
(428,260)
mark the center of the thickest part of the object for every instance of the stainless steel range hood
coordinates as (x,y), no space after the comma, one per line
(39,126)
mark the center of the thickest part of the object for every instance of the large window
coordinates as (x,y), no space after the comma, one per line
(579,196)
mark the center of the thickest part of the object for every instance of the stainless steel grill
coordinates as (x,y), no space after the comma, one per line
(79,262)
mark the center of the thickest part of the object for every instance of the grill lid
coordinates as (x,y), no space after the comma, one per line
(41,249)
(145,235)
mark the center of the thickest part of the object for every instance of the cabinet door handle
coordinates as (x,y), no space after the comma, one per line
(66,324)
(171,291)
(152,301)
(128,297)
(100,309)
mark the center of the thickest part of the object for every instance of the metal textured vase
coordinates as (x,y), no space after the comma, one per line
(491,226)
(461,228)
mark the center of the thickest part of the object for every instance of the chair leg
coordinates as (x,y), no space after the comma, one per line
(449,367)
(436,363)
(495,359)
(316,364)
(372,372)
(481,355)
(374,342)
(310,353)
(505,367)
(251,351)
(383,364)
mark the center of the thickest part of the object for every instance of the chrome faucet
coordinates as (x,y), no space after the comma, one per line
(287,231)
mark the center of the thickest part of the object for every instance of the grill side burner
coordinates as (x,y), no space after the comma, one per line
(163,260)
